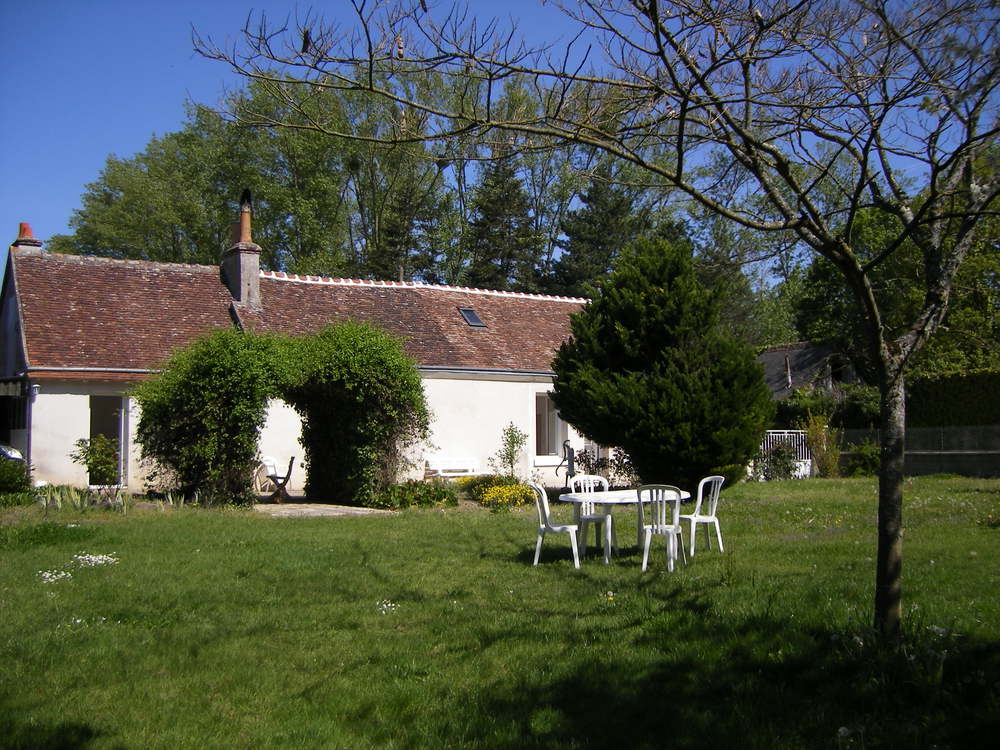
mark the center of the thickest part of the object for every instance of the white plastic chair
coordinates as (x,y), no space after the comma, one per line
(664,520)
(589,513)
(706,499)
(545,524)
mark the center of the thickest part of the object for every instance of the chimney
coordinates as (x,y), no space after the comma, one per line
(241,262)
(26,240)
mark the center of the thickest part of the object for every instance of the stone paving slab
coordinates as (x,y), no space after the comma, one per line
(315,510)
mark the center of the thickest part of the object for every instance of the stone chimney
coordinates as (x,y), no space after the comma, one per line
(241,262)
(26,240)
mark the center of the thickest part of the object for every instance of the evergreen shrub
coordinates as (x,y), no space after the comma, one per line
(649,368)
(954,399)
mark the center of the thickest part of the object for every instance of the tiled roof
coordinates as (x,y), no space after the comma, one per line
(522,331)
(96,313)
(805,361)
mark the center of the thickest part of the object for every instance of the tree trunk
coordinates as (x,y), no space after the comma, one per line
(888,568)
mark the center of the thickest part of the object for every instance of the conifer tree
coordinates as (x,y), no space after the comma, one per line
(501,244)
(649,369)
(595,234)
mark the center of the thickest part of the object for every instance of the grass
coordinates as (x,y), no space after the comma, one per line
(431,629)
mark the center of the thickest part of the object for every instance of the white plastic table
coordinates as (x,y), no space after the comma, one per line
(608,500)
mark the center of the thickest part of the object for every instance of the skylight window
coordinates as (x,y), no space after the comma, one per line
(471,317)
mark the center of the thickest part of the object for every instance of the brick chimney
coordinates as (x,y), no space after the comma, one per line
(241,262)
(26,240)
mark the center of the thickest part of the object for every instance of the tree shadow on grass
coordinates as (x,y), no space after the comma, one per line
(760,682)
(67,735)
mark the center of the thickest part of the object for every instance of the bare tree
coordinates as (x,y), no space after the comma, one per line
(819,110)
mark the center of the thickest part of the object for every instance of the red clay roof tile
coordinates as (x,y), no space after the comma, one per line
(85,312)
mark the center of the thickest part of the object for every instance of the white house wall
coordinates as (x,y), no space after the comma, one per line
(60,416)
(468,413)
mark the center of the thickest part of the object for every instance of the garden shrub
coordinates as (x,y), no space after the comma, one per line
(504,497)
(362,406)
(863,459)
(200,418)
(14,476)
(99,456)
(617,468)
(779,462)
(849,406)
(475,487)
(11,499)
(512,442)
(824,445)
(416,494)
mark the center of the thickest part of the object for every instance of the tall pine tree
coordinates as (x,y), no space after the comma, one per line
(500,242)
(595,235)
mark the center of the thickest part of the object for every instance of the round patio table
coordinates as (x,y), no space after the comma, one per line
(608,500)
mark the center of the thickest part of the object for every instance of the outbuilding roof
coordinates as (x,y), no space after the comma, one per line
(85,316)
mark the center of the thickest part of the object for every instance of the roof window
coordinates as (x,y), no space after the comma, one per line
(471,318)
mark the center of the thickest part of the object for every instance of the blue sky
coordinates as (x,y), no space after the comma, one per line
(82,79)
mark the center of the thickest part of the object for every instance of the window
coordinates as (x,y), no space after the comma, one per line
(13,410)
(471,317)
(550,430)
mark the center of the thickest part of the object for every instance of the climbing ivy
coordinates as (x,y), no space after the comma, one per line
(362,406)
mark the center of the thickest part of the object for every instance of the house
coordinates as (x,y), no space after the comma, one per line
(791,366)
(78,332)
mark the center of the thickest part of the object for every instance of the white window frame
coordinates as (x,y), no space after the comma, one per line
(562,430)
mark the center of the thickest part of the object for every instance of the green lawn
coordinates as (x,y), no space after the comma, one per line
(431,629)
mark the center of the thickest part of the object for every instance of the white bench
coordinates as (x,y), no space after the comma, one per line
(451,466)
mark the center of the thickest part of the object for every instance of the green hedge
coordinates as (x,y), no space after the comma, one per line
(960,399)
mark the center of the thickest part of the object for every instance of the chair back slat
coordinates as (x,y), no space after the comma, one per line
(664,503)
(708,496)
(588,484)
(541,504)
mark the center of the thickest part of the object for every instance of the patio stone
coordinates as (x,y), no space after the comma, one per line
(315,510)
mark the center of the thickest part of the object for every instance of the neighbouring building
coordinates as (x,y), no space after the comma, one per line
(79,331)
(802,364)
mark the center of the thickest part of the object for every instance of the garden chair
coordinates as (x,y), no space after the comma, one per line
(268,476)
(664,520)
(545,524)
(589,513)
(708,501)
